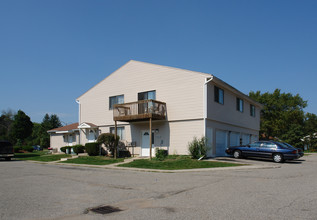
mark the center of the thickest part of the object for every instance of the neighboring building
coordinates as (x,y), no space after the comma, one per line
(181,105)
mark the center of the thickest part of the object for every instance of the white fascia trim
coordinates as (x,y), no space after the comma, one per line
(207,80)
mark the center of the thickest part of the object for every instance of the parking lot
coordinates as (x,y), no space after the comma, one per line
(49,191)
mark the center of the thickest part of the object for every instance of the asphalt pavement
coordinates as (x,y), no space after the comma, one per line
(56,191)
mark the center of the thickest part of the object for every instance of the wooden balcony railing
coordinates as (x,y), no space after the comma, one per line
(138,111)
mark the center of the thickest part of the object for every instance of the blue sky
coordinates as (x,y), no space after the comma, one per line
(51,52)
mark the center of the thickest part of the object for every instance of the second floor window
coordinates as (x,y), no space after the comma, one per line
(219,95)
(252,110)
(119,99)
(147,95)
(239,105)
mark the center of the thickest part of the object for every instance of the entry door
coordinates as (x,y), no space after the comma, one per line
(221,143)
(145,147)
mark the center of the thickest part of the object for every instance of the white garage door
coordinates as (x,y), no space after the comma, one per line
(245,139)
(234,139)
(221,143)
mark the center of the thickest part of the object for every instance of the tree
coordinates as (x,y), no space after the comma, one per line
(109,141)
(282,116)
(48,123)
(6,121)
(21,127)
(310,128)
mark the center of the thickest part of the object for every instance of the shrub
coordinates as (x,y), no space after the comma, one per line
(66,149)
(17,149)
(124,153)
(161,154)
(78,149)
(109,141)
(92,149)
(28,148)
(197,148)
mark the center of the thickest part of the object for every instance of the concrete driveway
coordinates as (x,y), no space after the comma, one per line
(49,191)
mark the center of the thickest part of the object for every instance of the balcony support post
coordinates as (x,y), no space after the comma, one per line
(115,140)
(151,138)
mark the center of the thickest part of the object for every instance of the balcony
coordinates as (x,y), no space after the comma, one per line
(139,111)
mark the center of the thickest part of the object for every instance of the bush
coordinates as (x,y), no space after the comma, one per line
(28,148)
(66,149)
(161,154)
(78,149)
(17,149)
(92,149)
(124,153)
(109,141)
(197,148)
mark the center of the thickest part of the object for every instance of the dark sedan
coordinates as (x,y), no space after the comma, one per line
(277,151)
(300,151)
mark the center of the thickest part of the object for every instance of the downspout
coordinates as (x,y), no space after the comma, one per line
(79,112)
(207,80)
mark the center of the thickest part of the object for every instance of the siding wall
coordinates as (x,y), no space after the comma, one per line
(182,91)
(227,112)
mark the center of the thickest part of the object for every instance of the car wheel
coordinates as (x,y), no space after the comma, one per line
(237,154)
(8,158)
(278,158)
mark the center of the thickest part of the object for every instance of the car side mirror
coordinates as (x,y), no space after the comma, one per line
(248,145)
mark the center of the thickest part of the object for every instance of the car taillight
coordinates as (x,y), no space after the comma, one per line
(294,152)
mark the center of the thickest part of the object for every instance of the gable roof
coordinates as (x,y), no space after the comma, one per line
(66,128)
(140,62)
(209,77)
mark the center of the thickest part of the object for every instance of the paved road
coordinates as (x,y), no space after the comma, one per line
(48,191)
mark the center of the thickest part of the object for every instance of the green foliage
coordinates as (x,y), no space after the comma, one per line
(177,163)
(49,122)
(17,149)
(21,127)
(109,141)
(282,116)
(124,153)
(28,148)
(92,149)
(6,121)
(78,149)
(197,148)
(66,149)
(161,154)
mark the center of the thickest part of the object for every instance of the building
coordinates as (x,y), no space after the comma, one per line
(175,104)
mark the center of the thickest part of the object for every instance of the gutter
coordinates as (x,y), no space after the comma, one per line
(79,114)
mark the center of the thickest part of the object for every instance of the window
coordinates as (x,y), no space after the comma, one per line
(147,95)
(120,132)
(239,105)
(252,110)
(268,145)
(219,95)
(119,99)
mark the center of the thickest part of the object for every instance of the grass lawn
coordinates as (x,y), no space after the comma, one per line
(40,156)
(176,163)
(94,160)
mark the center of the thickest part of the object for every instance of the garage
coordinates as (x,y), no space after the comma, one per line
(234,139)
(221,143)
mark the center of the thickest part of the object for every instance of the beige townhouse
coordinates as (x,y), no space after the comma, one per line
(163,107)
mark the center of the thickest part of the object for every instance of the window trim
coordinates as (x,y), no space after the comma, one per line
(239,104)
(217,95)
(147,94)
(116,100)
(252,110)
